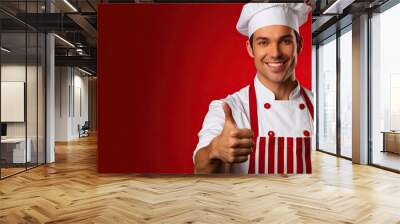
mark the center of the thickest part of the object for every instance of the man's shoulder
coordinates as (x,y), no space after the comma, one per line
(242,94)
(239,99)
(309,93)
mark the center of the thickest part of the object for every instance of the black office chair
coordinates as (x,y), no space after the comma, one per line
(84,130)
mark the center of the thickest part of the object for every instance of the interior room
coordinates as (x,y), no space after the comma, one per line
(96,95)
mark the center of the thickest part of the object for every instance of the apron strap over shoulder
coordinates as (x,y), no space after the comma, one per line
(309,104)
(254,125)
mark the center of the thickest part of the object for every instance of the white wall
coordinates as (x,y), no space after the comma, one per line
(80,84)
(62,80)
(92,92)
(16,73)
(33,127)
(70,84)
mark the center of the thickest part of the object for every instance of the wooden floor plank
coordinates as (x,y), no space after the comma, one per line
(71,191)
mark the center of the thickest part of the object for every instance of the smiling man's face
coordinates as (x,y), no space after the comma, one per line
(274,50)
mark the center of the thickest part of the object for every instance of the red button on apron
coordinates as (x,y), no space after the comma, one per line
(271,134)
(306,133)
(302,106)
(267,105)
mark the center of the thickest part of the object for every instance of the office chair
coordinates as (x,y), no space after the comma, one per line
(84,130)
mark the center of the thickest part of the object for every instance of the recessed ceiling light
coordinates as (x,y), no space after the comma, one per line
(64,40)
(84,71)
(338,6)
(70,5)
(5,50)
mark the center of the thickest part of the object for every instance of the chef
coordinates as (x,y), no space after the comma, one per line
(266,127)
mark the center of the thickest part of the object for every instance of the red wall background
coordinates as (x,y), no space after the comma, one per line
(159,67)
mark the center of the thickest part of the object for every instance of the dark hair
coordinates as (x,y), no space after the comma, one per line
(295,33)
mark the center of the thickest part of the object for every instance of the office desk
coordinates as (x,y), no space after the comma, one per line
(13,150)
(391,141)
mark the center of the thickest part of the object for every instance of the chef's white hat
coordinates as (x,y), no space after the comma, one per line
(257,15)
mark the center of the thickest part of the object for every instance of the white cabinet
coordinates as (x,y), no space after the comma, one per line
(17,145)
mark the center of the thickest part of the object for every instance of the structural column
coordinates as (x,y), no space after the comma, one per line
(360,90)
(50,92)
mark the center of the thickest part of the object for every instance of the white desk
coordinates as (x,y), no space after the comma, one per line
(18,149)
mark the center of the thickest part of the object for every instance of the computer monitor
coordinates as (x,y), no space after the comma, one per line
(3,129)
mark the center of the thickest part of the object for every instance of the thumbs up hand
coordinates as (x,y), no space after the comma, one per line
(234,144)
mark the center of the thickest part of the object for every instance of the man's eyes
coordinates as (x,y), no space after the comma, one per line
(262,43)
(287,41)
(284,41)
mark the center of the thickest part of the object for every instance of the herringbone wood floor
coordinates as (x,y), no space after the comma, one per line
(71,191)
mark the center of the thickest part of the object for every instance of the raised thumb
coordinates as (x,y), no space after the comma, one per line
(228,114)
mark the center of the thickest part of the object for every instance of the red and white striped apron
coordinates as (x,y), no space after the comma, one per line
(279,154)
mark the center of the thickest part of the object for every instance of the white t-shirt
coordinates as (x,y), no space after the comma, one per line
(284,117)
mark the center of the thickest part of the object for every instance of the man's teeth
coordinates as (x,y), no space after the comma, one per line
(274,64)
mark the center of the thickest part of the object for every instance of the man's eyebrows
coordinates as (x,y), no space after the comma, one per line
(262,38)
(286,36)
(280,38)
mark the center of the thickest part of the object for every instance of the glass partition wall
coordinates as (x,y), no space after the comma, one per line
(385,89)
(13,110)
(345,93)
(22,88)
(334,93)
(327,95)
